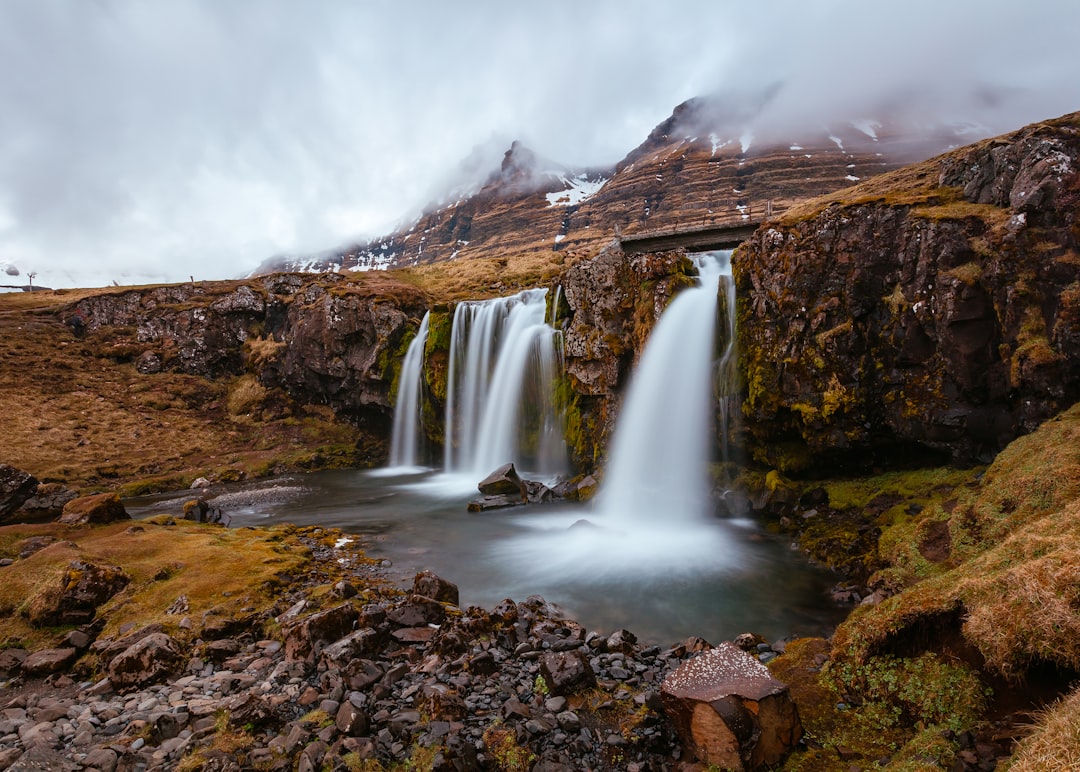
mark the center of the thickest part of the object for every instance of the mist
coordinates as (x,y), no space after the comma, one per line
(157,142)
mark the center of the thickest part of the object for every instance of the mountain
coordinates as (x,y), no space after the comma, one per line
(703,166)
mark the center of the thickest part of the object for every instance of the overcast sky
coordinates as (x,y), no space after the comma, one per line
(152,140)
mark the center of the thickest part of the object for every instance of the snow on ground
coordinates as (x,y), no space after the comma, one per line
(746,140)
(837,140)
(717,143)
(578,189)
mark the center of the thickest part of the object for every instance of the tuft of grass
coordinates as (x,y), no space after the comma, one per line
(1055,741)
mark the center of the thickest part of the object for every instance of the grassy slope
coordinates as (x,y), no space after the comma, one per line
(73,414)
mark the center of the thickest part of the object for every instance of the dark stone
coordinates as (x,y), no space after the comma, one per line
(365,642)
(488,503)
(46,504)
(145,661)
(417,611)
(430,585)
(83,587)
(351,721)
(304,636)
(504,481)
(48,661)
(16,486)
(567,672)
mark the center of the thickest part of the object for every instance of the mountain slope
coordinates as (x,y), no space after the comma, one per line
(701,167)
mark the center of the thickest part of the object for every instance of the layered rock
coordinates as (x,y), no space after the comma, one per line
(701,167)
(324,340)
(933,312)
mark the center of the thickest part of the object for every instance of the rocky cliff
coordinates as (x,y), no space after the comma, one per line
(932,312)
(324,340)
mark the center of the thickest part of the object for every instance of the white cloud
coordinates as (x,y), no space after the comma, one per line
(153,141)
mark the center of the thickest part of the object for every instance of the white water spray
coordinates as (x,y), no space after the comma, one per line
(406,438)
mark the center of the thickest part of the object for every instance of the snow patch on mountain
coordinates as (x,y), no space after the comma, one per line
(578,188)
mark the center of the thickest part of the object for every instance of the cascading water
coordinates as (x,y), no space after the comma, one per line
(659,456)
(504,359)
(406,438)
(652,514)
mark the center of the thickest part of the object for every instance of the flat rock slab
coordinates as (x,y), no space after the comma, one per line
(730,711)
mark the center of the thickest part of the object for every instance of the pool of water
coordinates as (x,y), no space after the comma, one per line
(663,579)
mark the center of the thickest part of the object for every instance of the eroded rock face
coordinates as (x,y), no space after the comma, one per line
(324,340)
(614,301)
(943,325)
(730,711)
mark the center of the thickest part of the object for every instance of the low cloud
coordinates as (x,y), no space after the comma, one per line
(153,141)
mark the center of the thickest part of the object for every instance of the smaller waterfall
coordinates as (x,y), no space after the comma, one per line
(406,439)
(504,359)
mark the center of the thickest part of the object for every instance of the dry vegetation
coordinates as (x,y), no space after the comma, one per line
(74,414)
(215,568)
(482,278)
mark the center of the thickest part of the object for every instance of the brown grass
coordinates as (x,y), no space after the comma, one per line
(75,415)
(1055,742)
(216,568)
(482,278)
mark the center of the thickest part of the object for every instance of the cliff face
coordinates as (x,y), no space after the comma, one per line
(934,311)
(324,340)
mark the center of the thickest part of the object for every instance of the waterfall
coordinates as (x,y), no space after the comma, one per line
(405,441)
(504,359)
(660,452)
(651,517)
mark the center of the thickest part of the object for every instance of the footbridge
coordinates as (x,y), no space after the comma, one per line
(700,239)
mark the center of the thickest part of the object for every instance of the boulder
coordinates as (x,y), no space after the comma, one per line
(101,508)
(504,481)
(417,611)
(83,587)
(149,659)
(566,672)
(365,642)
(46,504)
(11,661)
(729,710)
(302,638)
(430,585)
(16,486)
(48,661)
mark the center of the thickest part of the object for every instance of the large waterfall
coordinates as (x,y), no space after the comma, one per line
(658,465)
(406,440)
(504,361)
(652,515)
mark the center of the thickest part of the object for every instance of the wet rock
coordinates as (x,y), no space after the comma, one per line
(147,660)
(430,585)
(16,486)
(567,672)
(488,503)
(365,642)
(504,481)
(417,611)
(102,508)
(730,711)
